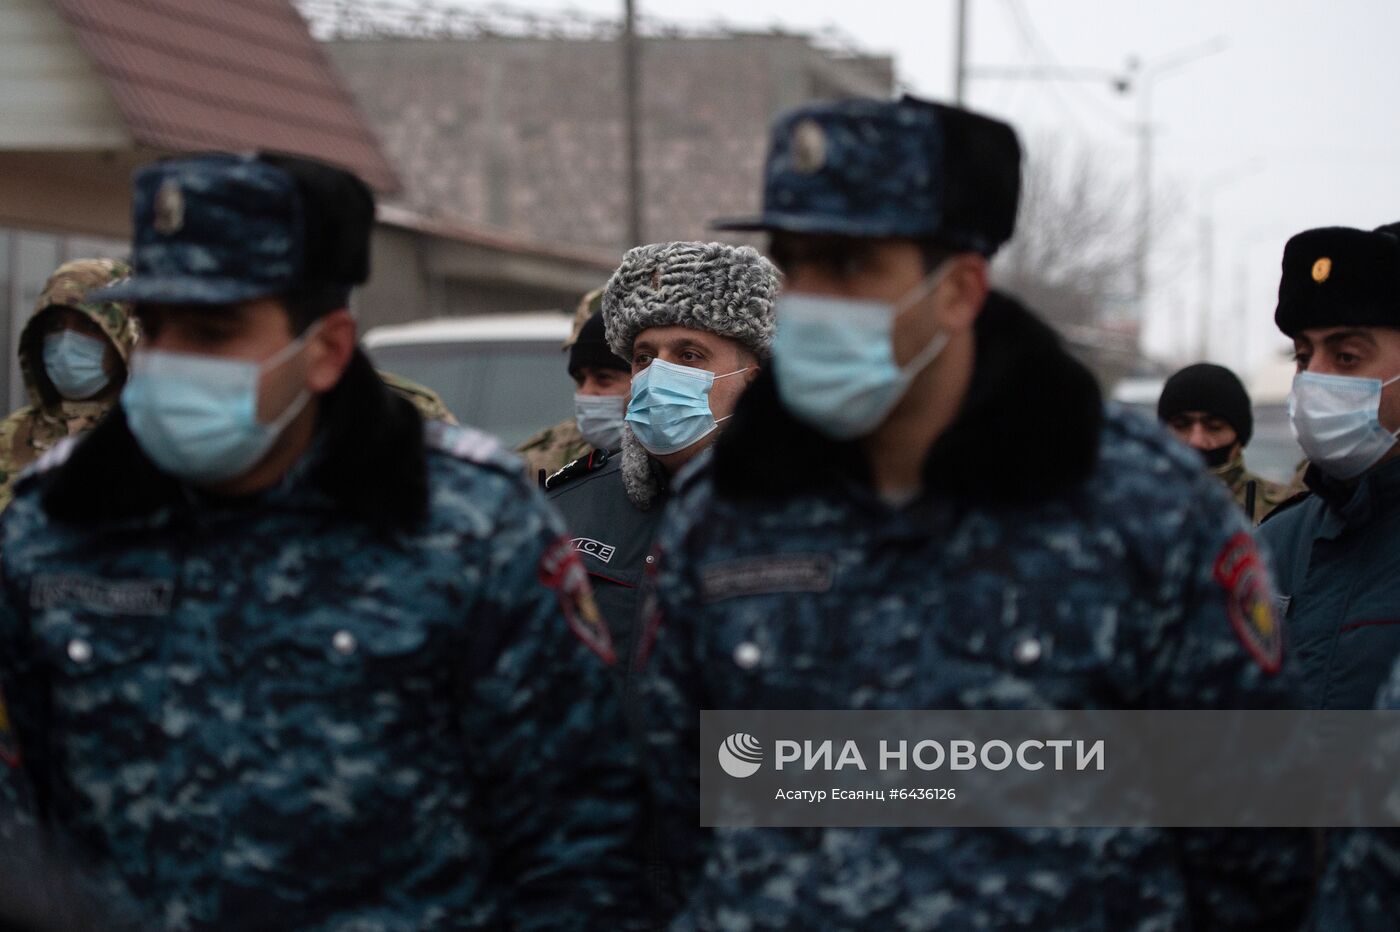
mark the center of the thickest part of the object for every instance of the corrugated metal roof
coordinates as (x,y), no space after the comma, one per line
(192,75)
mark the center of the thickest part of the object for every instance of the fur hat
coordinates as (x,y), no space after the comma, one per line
(1339,277)
(724,290)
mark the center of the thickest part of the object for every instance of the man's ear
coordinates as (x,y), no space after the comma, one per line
(965,291)
(329,350)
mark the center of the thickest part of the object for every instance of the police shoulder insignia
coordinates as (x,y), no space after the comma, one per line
(562,571)
(1249,601)
(595,460)
(55,457)
(9,748)
(468,443)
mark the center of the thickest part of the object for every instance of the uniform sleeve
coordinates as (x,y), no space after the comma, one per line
(667,696)
(21,723)
(1215,642)
(559,775)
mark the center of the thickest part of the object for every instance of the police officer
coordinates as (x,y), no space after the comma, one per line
(695,320)
(868,536)
(1360,889)
(73,355)
(1336,554)
(277,655)
(1207,408)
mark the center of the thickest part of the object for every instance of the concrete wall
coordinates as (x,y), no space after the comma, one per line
(527,135)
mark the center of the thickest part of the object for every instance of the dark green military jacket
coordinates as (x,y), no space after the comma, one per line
(1336,562)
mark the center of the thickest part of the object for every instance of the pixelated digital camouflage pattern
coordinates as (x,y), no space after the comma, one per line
(268,716)
(1267,495)
(932,607)
(553,448)
(32,430)
(1360,889)
(212,229)
(427,401)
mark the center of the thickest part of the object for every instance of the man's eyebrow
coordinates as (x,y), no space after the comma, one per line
(1335,339)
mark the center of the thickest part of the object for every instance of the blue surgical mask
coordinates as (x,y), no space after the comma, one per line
(73,362)
(833,359)
(196,417)
(670,406)
(1337,420)
(599,419)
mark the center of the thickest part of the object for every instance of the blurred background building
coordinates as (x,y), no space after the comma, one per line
(494,137)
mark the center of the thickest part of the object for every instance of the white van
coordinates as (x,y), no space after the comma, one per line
(502,373)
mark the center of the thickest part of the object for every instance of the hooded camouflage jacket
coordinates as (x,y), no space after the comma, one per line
(32,430)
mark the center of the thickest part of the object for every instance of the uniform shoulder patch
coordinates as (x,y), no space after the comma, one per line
(1249,601)
(592,462)
(470,444)
(54,458)
(562,571)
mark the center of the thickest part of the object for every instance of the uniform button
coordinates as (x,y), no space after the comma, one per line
(1027,651)
(747,655)
(344,642)
(650,559)
(79,651)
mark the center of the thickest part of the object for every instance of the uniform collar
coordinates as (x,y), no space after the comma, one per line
(1028,430)
(1233,471)
(368,461)
(1353,504)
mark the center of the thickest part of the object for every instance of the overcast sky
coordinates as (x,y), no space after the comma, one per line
(1292,125)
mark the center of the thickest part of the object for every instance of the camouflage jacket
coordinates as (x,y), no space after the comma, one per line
(1114,574)
(427,401)
(27,433)
(1360,889)
(308,710)
(1267,495)
(552,449)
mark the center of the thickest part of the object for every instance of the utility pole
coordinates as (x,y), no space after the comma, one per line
(631,98)
(960,54)
(1142,82)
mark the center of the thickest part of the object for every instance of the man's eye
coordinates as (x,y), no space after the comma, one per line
(1301,360)
(1347,359)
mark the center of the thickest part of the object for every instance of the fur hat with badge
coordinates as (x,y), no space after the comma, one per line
(1340,277)
(724,290)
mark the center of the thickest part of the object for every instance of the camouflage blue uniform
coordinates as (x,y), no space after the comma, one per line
(266,715)
(1114,574)
(1360,889)
(348,701)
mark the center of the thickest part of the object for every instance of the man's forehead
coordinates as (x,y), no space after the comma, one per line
(1333,334)
(657,337)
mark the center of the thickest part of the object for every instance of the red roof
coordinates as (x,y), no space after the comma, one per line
(193,75)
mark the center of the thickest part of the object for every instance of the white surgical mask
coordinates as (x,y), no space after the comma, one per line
(599,419)
(196,417)
(833,358)
(1336,419)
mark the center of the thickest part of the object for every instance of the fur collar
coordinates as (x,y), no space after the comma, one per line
(371,462)
(642,477)
(1028,430)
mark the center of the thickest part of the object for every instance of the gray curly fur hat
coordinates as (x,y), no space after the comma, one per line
(725,290)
